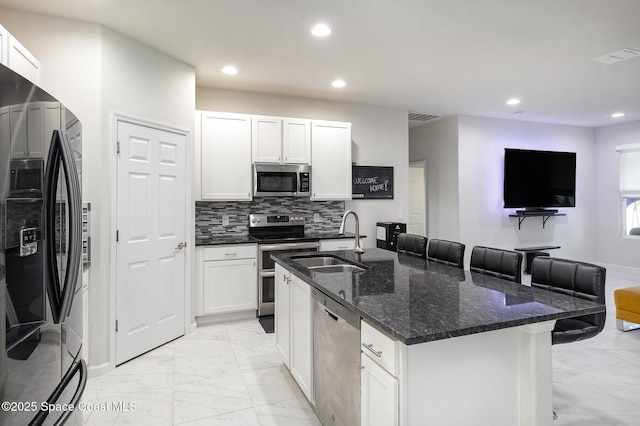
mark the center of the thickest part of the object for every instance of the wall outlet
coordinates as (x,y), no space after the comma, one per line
(316,217)
(225,220)
(400,215)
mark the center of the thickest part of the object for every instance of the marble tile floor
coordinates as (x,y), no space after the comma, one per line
(231,374)
(596,382)
(224,374)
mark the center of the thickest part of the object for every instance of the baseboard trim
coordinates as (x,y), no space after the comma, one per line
(99,370)
(220,318)
(619,268)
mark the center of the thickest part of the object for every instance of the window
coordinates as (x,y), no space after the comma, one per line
(630,188)
(632,221)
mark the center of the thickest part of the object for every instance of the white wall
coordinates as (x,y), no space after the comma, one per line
(71,57)
(479,183)
(437,143)
(483,221)
(379,138)
(141,82)
(611,246)
(97,72)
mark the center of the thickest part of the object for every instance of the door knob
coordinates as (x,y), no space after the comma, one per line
(181,245)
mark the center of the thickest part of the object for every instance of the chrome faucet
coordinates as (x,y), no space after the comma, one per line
(356,248)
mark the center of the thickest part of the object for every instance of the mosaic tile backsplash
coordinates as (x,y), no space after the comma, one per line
(209,214)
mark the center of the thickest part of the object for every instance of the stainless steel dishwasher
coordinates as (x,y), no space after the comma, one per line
(336,361)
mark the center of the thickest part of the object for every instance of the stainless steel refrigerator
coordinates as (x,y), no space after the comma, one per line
(42,371)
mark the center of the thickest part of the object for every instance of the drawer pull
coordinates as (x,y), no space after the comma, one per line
(373,351)
(231,254)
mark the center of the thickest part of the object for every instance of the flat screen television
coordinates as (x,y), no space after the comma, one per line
(537,180)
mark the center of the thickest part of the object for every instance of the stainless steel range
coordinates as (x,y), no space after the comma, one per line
(276,233)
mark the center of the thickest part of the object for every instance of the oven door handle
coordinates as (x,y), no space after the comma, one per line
(287,246)
(266,273)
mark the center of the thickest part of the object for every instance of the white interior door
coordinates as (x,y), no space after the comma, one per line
(417,199)
(151,223)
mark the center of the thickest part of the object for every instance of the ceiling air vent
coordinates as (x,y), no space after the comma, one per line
(618,56)
(416,116)
(418,119)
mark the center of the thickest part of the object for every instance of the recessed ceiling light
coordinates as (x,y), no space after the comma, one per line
(617,114)
(230,70)
(338,83)
(321,30)
(513,101)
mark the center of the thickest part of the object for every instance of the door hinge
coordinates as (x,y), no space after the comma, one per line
(118,147)
(117,236)
(116,325)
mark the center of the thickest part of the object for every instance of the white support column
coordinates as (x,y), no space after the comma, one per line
(535,374)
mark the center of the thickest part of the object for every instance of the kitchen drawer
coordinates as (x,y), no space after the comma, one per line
(380,348)
(231,251)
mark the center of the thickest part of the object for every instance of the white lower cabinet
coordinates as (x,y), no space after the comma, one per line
(379,380)
(227,279)
(301,359)
(282,313)
(378,395)
(293,327)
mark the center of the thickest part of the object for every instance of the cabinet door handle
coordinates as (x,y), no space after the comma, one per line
(373,351)
(180,246)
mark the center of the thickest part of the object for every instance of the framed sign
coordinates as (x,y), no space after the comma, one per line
(372,182)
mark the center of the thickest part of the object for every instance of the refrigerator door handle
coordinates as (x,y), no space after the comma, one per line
(74,194)
(60,152)
(50,187)
(79,368)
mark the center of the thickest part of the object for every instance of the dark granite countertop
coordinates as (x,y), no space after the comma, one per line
(418,301)
(222,239)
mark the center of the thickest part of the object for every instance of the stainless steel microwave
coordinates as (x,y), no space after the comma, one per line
(281,180)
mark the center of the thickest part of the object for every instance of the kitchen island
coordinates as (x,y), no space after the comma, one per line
(461,347)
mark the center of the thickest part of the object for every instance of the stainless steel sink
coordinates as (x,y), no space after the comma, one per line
(315,261)
(337,268)
(327,264)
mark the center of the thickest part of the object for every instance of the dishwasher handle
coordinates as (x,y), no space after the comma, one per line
(331,314)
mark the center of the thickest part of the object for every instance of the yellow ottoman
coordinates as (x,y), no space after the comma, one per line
(627,308)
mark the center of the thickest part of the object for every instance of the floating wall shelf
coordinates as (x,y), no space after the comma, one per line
(545,217)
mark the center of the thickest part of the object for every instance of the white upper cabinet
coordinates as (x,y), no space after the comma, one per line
(331,160)
(225,156)
(16,57)
(280,140)
(296,141)
(229,144)
(266,139)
